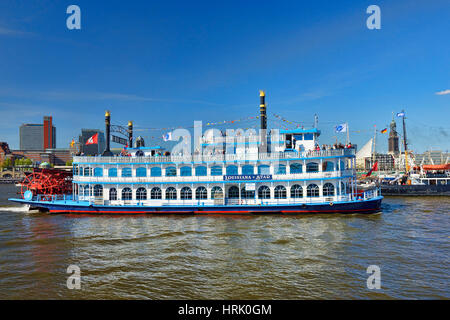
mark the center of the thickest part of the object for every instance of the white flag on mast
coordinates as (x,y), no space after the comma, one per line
(341,128)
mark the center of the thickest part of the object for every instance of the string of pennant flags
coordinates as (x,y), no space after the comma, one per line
(277,119)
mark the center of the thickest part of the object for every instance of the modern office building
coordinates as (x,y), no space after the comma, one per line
(92,149)
(38,136)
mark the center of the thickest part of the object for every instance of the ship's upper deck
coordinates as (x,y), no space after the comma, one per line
(244,157)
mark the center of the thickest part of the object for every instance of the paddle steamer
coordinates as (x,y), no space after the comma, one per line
(270,172)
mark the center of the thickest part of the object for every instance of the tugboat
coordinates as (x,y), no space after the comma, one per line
(276,172)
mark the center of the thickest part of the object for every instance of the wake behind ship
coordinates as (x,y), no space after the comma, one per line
(276,172)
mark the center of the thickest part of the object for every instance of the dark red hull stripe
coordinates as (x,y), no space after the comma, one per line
(212,212)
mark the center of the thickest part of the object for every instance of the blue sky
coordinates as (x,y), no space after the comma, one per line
(168,63)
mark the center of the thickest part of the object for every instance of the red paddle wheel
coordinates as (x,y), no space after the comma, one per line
(47,183)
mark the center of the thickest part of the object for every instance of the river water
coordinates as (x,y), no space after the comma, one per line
(210,257)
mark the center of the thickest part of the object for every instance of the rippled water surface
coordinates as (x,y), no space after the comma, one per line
(204,257)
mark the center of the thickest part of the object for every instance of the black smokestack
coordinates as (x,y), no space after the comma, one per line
(107,152)
(262,109)
(263,116)
(130,134)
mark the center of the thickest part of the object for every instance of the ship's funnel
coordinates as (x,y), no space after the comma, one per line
(262,109)
(130,134)
(107,152)
(263,116)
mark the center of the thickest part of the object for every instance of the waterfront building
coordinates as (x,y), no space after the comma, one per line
(91,149)
(57,157)
(432,157)
(386,162)
(38,136)
(5,152)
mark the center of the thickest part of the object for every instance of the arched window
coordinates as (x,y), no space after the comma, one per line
(127,194)
(141,172)
(87,171)
(112,194)
(247,194)
(98,172)
(328,166)
(201,193)
(217,193)
(312,167)
(185,171)
(186,193)
(155,172)
(98,191)
(112,172)
(280,192)
(233,192)
(328,190)
(296,191)
(296,168)
(141,194)
(171,193)
(155,193)
(312,191)
(264,192)
(263,169)
(216,171)
(86,191)
(281,169)
(171,172)
(232,170)
(248,169)
(126,172)
(200,171)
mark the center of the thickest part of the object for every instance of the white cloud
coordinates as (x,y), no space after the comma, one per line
(11,32)
(441,93)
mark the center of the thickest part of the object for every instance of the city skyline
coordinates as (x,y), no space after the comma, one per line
(167,65)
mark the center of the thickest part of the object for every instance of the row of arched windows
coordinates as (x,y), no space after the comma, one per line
(186,193)
(201,193)
(187,171)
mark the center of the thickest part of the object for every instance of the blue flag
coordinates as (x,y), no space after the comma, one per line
(400,114)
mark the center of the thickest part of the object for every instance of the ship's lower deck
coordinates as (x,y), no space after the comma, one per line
(60,206)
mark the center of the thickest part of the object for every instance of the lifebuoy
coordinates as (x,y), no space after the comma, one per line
(331,203)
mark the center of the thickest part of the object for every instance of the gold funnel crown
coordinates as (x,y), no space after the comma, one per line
(262,93)
(107,113)
(130,123)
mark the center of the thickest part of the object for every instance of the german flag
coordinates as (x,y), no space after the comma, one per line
(384,130)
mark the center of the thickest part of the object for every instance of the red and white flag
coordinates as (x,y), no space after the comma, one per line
(93,139)
(374,168)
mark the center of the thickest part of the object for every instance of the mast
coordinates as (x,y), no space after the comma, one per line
(348,134)
(374,144)
(405,144)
